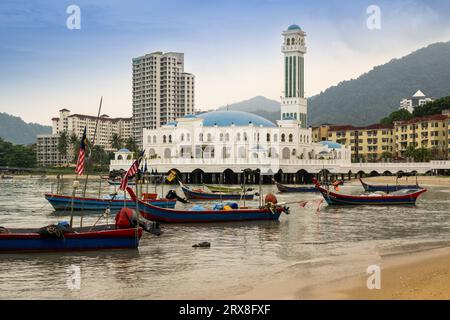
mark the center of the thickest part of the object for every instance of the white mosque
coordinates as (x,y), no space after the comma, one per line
(217,146)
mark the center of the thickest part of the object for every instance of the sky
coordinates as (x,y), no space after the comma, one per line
(232,47)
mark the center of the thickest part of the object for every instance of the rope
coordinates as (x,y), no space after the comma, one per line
(52,231)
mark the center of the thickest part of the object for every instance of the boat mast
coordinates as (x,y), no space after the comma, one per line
(89,158)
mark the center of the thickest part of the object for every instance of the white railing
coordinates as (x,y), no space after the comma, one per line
(335,165)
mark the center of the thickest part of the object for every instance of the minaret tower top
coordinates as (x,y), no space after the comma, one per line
(293,102)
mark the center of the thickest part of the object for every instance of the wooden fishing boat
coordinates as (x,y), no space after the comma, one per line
(99,238)
(117,182)
(223,189)
(7,177)
(388,188)
(154,213)
(60,202)
(401,197)
(203,195)
(284,188)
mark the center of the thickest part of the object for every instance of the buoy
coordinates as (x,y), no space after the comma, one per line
(270,197)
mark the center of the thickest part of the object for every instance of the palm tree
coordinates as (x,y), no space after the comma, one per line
(99,156)
(131,145)
(63,144)
(116,141)
(75,145)
(387,155)
(410,151)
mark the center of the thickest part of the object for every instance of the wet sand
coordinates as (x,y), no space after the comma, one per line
(419,275)
(415,275)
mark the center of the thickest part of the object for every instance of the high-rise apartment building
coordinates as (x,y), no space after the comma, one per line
(47,145)
(366,143)
(162,91)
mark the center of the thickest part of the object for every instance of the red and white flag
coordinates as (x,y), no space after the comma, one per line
(131,172)
(79,169)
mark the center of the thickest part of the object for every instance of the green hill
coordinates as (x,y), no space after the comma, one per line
(377,93)
(267,108)
(17,131)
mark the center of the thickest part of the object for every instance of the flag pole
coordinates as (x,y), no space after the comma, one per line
(89,158)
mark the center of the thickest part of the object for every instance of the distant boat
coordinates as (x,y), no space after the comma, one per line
(193,194)
(387,188)
(60,202)
(117,182)
(283,188)
(401,197)
(7,177)
(99,238)
(223,189)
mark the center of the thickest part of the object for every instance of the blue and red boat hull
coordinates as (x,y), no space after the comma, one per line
(387,188)
(19,242)
(154,213)
(333,198)
(64,203)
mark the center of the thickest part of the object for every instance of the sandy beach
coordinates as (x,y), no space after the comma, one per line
(415,275)
(420,275)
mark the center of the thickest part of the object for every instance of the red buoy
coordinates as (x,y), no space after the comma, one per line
(270,197)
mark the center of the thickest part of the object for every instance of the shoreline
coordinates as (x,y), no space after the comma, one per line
(422,180)
(420,274)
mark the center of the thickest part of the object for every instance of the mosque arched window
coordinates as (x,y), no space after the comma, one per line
(290,137)
(268,137)
(164,139)
(283,138)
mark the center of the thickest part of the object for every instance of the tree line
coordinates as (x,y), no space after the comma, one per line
(98,155)
(431,108)
(12,155)
(428,109)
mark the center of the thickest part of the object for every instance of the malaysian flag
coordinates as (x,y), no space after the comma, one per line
(131,172)
(81,154)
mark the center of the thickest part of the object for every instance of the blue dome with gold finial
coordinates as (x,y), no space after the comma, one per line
(294,27)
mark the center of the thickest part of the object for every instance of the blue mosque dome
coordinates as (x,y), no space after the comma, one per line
(294,27)
(238,118)
(331,144)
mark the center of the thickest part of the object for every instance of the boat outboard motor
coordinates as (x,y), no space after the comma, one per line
(173,195)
